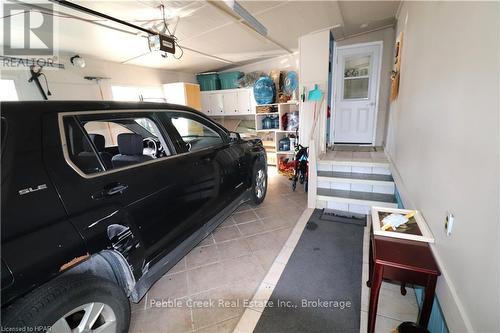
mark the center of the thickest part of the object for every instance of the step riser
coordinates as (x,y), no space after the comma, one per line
(356,185)
(349,206)
(381,170)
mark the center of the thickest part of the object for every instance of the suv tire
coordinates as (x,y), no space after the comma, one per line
(259,183)
(69,300)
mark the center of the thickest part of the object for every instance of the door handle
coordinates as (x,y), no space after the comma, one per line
(110,190)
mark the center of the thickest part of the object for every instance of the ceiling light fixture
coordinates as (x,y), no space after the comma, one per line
(77,61)
(249,19)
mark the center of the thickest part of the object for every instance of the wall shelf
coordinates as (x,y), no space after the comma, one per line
(277,133)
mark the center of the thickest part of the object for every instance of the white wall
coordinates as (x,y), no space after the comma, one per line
(444,142)
(387,37)
(69,84)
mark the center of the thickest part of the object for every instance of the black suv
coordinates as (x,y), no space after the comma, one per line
(100,199)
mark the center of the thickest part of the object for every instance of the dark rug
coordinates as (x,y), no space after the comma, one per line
(320,288)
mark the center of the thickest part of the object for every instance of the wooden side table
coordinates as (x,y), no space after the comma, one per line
(404,261)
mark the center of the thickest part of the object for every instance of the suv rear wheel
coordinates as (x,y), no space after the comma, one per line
(73,303)
(259,183)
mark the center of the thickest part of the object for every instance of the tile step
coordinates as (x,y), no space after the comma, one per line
(357,198)
(355,177)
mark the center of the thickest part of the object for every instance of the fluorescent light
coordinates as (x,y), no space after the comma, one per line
(247,17)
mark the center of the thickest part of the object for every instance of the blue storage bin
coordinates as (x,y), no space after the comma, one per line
(229,80)
(208,81)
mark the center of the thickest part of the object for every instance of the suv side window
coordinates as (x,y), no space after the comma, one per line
(195,133)
(80,150)
(109,141)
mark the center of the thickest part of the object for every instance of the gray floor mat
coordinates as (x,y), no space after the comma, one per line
(326,265)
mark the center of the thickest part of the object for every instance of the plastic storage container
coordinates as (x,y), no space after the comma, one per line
(208,81)
(229,80)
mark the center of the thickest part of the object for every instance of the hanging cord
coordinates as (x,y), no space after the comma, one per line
(162,8)
(46,84)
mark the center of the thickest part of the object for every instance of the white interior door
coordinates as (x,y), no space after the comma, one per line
(356,84)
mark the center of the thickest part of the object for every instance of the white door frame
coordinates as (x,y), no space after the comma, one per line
(334,86)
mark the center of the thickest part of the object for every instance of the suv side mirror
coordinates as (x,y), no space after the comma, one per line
(234,137)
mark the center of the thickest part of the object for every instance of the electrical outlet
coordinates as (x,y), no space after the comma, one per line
(449,223)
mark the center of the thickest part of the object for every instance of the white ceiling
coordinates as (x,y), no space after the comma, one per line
(205,28)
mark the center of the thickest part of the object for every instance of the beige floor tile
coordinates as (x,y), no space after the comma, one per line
(225,234)
(209,240)
(265,241)
(281,235)
(160,320)
(206,277)
(202,256)
(266,257)
(226,326)
(246,216)
(219,306)
(382,324)
(252,228)
(168,287)
(243,268)
(392,304)
(277,222)
(268,211)
(233,249)
(227,223)
(179,267)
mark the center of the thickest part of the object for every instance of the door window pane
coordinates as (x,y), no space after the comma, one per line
(357,77)
(356,88)
(195,134)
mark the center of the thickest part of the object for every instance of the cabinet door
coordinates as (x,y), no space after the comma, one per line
(230,103)
(244,102)
(205,104)
(216,104)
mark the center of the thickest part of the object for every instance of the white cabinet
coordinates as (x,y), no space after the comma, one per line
(246,103)
(205,104)
(216,104)
(230,102)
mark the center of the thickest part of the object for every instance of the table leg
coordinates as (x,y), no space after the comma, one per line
(425,314)
(370,264)
(403,288)
(376,282)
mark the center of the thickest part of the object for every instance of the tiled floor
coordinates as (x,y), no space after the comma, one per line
(228,265)
(232,262)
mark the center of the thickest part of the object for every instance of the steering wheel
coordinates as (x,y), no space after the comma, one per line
(152,147)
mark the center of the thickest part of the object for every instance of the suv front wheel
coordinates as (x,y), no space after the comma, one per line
(72,303)
(259,183)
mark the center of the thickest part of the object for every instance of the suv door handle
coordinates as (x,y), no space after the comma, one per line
(109,191)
